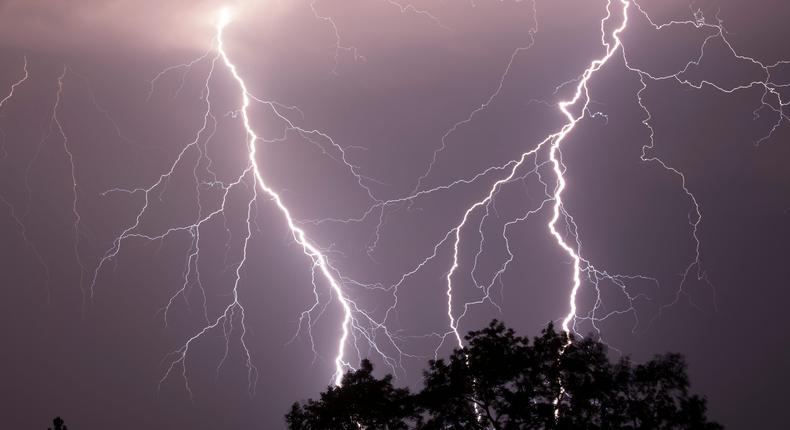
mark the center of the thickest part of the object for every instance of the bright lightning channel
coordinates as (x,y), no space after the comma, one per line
(298,234)
(554,141)
(580,94)
(357,325)
(16,84)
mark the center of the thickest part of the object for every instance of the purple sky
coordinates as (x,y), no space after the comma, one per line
(473,84)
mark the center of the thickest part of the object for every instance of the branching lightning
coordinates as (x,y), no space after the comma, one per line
(56,123)
(309,249)
(353,316)
(23,229)
(363,330)
(575,109)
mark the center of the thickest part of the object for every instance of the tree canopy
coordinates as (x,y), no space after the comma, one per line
(58,424)
(501,381)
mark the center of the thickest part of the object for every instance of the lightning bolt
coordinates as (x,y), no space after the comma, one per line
(56,122)
(540,166)
(582,93)
(356,326)
(318,258)
(16,84)
(12,209)
(771,100)
(55,127)
(581,101)
(542,161)
(548,152)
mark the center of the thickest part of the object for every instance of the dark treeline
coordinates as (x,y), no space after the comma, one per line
(502,381)
(58,424)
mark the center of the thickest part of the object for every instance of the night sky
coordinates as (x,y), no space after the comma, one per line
(148,281)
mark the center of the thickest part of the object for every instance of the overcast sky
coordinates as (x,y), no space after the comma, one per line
(88,327)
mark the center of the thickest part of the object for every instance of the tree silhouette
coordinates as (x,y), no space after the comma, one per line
(496,381)
(499,381)
(58,424)
(362,402)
